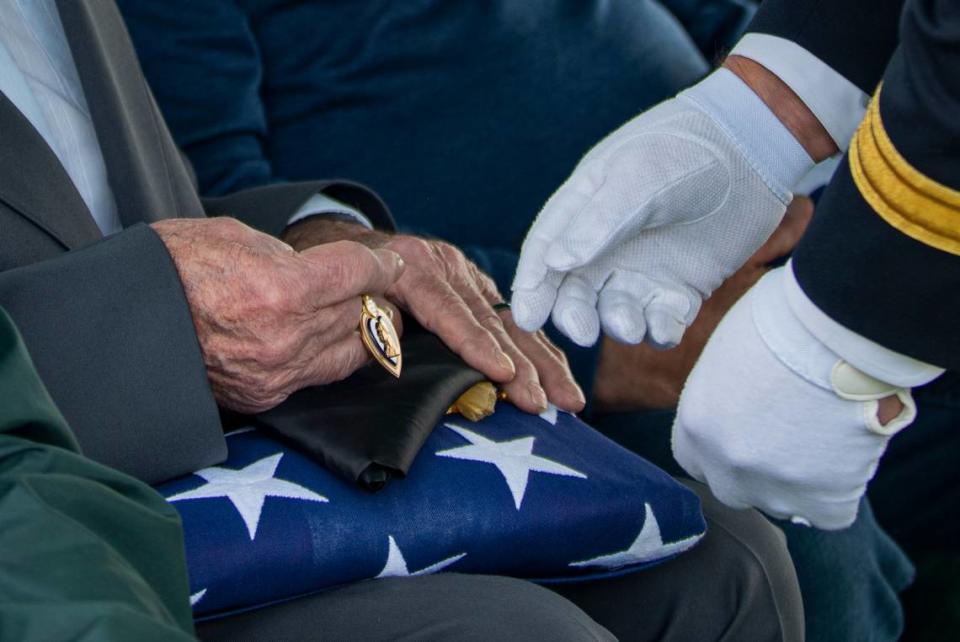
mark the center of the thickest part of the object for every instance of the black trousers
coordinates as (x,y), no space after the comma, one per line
(737,584)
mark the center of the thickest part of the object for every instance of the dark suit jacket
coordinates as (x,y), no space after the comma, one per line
(106,320)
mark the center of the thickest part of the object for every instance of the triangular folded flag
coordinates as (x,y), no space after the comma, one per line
(545,498)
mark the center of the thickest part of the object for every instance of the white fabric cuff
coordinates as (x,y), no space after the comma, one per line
(786,337)
(821,174)
(862,353)
(764,141)
(837,103)
(323,204)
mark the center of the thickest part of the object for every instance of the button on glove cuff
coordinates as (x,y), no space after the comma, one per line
(806,355)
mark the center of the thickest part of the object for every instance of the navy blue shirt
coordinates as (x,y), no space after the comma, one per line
(464,116)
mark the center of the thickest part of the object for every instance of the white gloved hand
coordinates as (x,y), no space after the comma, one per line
(657,215)
(771,417)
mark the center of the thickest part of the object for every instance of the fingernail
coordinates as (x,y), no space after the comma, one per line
(505,362)
(537,396)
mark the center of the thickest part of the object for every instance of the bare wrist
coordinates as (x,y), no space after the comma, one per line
(786,105)
(316,230)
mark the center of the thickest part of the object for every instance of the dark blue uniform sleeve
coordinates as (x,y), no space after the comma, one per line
(882,255)
(854,37)
(204,66)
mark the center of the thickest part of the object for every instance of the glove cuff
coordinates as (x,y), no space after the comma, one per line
(806,355)
(867,356)
(786,337)
(837,103)
(767,145)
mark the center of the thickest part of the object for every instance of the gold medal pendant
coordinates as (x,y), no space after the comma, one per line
(379,336)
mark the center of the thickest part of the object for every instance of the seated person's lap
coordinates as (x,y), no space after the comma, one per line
(738,583)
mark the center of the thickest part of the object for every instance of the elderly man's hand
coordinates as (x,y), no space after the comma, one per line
(452,298)
(270,320)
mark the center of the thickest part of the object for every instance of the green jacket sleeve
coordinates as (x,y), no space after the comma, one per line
(86,552)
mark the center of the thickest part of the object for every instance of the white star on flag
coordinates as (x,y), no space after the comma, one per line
(196,597)
(514,459)
(648,546)
(550,414)
(247,488)
(396,565)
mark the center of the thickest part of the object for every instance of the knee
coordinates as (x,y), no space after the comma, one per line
(483,607)
(751,562)
(851,580)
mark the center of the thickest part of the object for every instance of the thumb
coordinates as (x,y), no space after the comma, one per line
(392,264)
(348,269)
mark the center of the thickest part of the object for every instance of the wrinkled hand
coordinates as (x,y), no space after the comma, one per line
(772,418)
(634,377)
(657,215)
(452,298)
(270,320)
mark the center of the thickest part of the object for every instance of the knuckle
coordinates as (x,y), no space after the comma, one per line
(478,342)
(443,256)
(739,461)
(449,252)
(412,249)
(233,230)
(490,321)
(486,284)
(227,224)
(525,368)
(691,418)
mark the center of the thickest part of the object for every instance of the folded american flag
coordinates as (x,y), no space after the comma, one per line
(545,498)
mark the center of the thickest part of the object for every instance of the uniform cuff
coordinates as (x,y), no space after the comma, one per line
(837,103)
(862,353)
(322,204)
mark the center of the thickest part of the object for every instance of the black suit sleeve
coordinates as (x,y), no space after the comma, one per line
(854,37)
(268,208)
(111,334)
(882,255)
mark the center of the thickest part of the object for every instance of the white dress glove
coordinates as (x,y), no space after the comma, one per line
(771,417)
(657,215)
